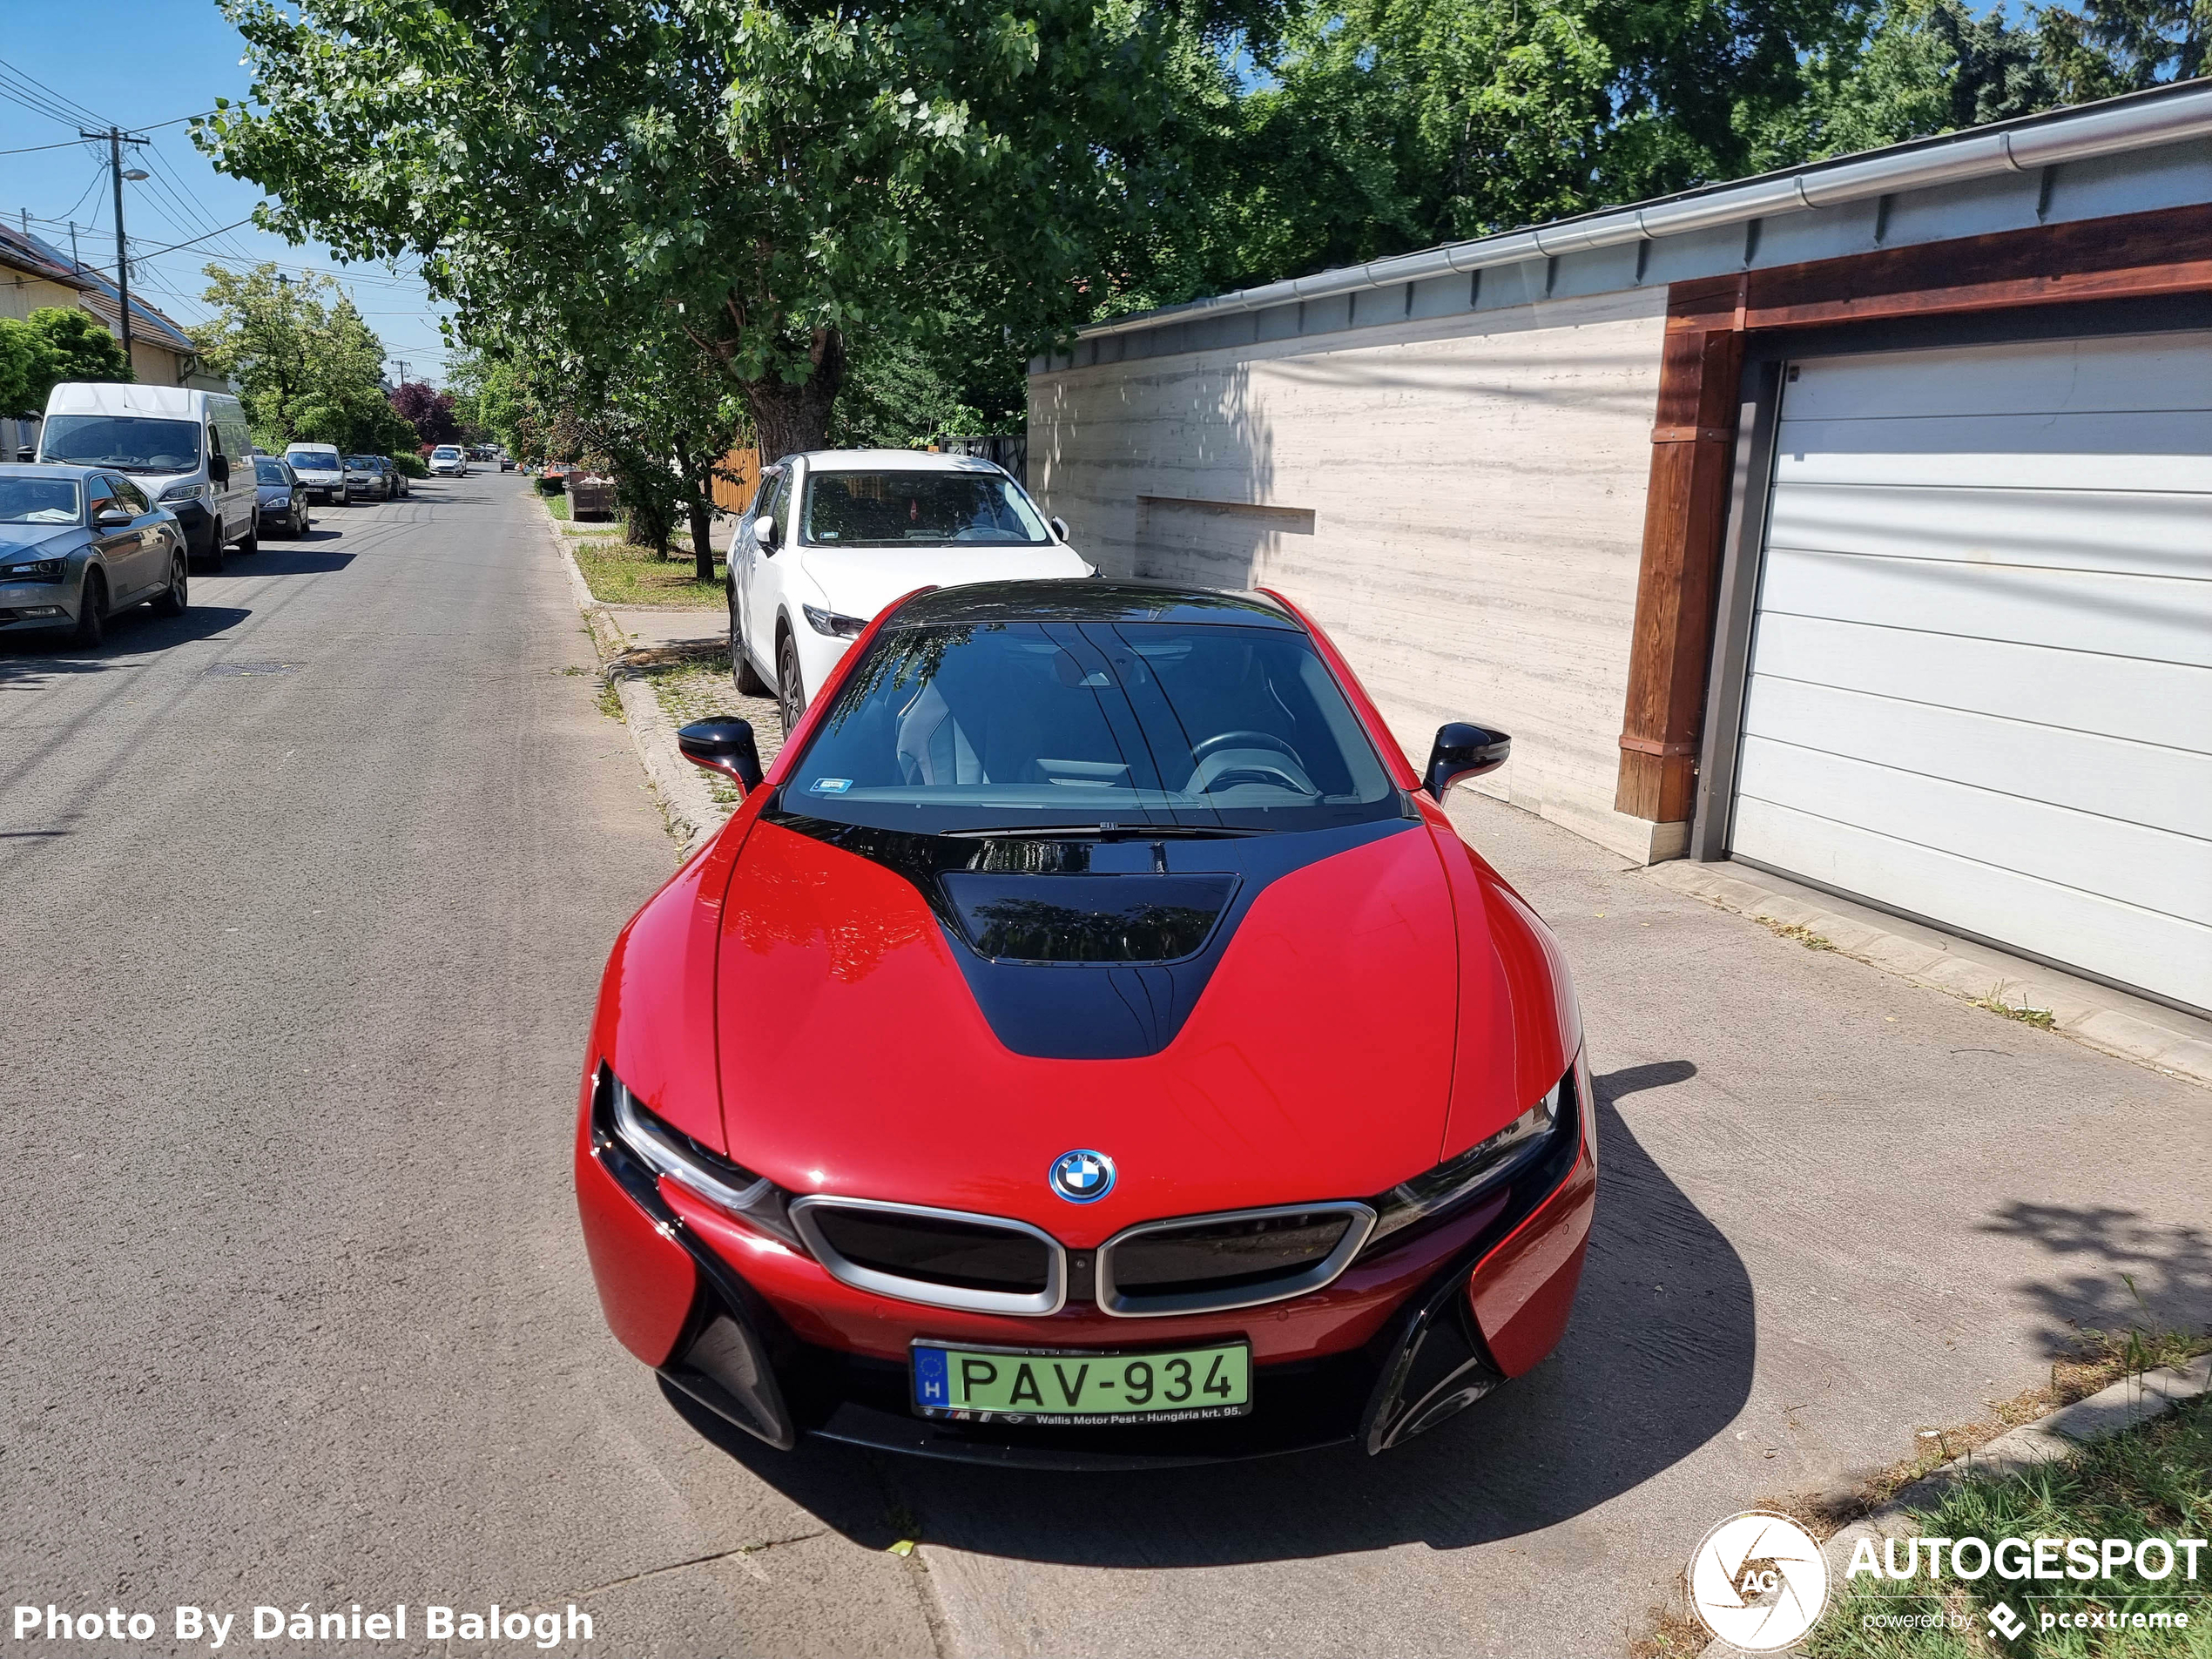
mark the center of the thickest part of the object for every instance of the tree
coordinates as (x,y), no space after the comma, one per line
(428,410)
(53,345)
(306,365)
(763,177)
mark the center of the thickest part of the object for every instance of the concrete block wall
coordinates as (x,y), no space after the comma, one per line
(1459,499)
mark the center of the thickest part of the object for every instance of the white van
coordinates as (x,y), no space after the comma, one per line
(186,449)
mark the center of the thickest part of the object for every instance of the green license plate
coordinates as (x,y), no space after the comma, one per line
(1055,1387)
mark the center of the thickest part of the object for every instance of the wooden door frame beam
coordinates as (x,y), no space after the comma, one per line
(1694,429)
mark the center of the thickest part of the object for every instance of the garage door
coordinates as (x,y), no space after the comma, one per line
(1980,684)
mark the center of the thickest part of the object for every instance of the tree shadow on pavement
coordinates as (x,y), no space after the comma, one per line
(2118,1269)
(27,661)
(1656,1361)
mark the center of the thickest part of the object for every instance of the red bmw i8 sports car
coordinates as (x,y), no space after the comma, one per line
(1090,1045)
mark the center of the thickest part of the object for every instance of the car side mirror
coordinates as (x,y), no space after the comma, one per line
(114,518)
(1462,751)
(1059,528)
(764,531)
(218,469)
(726,746)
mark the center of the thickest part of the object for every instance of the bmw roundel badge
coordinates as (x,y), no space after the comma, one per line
(1082,1176)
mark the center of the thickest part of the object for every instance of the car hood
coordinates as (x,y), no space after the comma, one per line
(857,1057)
(861,581)
(35,540)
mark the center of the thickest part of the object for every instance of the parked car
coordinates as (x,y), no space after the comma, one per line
(284,498)
(506,462)
(1136,898)
(188,449)
(320,467)
(447,460)
(398,473)
(363,481)
(835,535)
(79,543)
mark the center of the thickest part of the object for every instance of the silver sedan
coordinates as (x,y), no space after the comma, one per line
(79,543)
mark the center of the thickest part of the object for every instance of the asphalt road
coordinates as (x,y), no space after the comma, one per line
(305,896)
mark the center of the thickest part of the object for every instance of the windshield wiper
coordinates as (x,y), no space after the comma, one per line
(1107,832)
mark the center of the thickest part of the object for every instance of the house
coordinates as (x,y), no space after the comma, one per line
(1854,521)
(35,275)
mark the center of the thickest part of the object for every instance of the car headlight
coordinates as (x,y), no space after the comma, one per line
(1485,1163)
(666,1150)
(830,622)
(32,571)
(188,490)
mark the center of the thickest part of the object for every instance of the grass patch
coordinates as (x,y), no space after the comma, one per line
(1671,1632)
(2042,1019)
(619,574)
(2154,1479)
(557,505)
(1798,931)
(691,688)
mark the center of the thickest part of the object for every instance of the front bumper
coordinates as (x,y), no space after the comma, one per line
(761,1337)
(197,524)
(32,607)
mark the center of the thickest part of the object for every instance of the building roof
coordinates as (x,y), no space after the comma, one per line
(2163,116)
(29,252)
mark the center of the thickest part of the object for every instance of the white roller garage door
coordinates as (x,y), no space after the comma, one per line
(1980,681)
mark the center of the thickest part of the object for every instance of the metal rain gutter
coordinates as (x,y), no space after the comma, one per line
(2139,121)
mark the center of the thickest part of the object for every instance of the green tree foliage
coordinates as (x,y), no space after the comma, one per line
(1397,124)
(53,345)
(306,366)
(763,177)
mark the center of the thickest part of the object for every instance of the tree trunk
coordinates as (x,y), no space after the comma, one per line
(701,510)
(793,419)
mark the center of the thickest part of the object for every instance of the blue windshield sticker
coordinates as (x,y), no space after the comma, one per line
(832,785)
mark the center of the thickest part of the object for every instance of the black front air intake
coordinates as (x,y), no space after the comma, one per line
(1087,917)
(933,1250)
(1213,1263)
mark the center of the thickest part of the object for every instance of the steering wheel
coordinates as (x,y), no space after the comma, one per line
(1243,741)
(1272,776)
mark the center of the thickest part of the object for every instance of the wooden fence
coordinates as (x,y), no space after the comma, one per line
(736,479)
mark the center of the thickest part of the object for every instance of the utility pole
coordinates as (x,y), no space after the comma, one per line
(117,138)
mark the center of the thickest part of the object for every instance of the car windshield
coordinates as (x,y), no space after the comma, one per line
(896,508)
(447,453)
(270,472)
(131,442)
(38,501)
(316,460)
(1024,726)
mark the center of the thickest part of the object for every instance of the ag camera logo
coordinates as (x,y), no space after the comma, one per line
(1757,1581)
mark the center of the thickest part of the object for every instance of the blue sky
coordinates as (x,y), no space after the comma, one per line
(143,63)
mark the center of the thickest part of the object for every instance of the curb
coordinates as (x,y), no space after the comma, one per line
(2128,1402)
(1960,972)
(679,788)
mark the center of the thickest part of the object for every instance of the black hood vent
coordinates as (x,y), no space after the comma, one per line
(1087,917)
(1068,961)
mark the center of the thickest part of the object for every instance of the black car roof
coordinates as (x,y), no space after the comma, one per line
(1089,599)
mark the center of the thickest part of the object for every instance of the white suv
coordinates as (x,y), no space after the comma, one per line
(449,460)
(834,537)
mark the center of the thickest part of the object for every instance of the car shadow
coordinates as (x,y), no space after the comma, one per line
(29,659)
(1656,1361)
(283,558)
